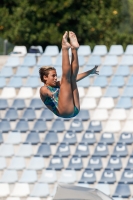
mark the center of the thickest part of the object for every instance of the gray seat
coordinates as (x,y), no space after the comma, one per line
(51,138)
(36,163)
(116,50)
(83,115)
(29,114)
(63,150)
(75,163)
(107,138)
(1,138)
(114,163)
(28,176)
(101,150)
(32,138)
(108,176)
(88,176)
(48,176)
(3,104)
(126,138)
(11,114)
(122,190)
(32,82)
(127,177)
(36,104)
(120,150)
(5,126)
(9,176)
(56,163)
(15,82)
(17,163)
(40,126)
(95,163)
(88,138)
(130,163)
(40,190)
(44,61)
(58,125)
(29,61)
(18,104)
(22,126)
(12,61)
(44,150)
(82,150)
(70,138)
(76,125)
(95,126)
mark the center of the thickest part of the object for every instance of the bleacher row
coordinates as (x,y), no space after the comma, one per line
(94,149)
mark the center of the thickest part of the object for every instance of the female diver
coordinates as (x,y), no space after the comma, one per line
(62,97)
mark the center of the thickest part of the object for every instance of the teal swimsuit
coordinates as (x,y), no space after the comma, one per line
(53,102)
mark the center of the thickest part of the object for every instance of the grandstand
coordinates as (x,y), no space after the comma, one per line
(93,149)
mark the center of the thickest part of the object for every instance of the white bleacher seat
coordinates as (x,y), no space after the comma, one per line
(51,50)
(13,198)
(100,114)
(131,114)
(81,92)
(88,103)
(129,50)
(128,127)
(100,50)
(4,190)
(116,50)
(37,94)
(13,138)
(19,51)
(95,92)
(20,190)
(25,150)
(103,188)
(84,50)
(106,102)
(6,150)
(118,114)
(33,198)
(25,92)
(113,126)
(68,176)
(8,93)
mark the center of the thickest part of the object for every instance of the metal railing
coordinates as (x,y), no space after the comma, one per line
(5,47)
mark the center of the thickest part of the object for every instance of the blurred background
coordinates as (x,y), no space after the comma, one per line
(38,149)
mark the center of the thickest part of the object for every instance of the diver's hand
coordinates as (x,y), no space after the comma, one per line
(94,70)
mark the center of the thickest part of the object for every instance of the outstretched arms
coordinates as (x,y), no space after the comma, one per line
(87,73)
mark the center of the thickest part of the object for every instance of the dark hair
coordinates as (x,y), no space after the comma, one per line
(44,71)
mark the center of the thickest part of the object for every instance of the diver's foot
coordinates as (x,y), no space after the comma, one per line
(73,40)
(65,43)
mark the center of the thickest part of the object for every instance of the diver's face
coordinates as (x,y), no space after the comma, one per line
(52,78)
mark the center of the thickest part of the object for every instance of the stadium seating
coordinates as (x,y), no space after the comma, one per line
(116,50)
(51,51)
(93,149)
(84,50)
(100,50)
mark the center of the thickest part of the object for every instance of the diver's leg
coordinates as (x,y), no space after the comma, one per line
(75,68)
(65,101)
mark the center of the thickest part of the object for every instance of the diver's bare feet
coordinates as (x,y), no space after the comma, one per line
(65,43)
(73,40)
